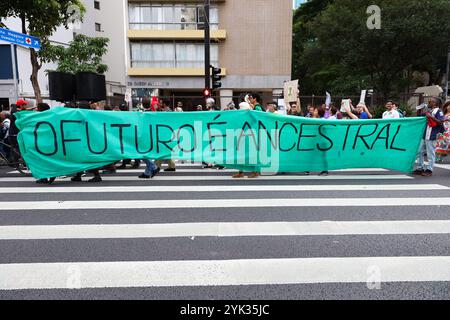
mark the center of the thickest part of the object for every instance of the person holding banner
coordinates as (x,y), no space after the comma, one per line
(435,121)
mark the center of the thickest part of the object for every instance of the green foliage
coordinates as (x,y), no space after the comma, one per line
(339,52)
(84,54)
(42,17)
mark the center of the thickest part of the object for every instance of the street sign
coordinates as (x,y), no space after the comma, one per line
(20,39)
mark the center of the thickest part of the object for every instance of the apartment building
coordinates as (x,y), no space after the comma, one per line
(157,48)
(251,41)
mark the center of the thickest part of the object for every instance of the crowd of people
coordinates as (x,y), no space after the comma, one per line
(435,142)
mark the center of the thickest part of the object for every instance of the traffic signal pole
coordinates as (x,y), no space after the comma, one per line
(207,47)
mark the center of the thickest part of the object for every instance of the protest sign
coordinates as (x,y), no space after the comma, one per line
(291,91)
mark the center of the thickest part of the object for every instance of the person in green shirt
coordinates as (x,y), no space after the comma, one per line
(255,101)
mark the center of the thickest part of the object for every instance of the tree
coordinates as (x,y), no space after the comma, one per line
(40,18)
(414,35)
(84,54)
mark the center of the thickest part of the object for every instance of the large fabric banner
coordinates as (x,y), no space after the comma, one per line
(64,141)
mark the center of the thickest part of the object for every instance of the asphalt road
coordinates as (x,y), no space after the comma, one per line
(353,235)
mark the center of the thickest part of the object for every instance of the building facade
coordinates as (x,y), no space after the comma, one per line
(157,48)
(251,41)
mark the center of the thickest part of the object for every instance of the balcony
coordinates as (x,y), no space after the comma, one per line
(150,34)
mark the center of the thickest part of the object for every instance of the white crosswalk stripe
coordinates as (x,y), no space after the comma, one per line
(223,213)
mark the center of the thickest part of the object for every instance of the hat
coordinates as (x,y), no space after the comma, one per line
(21,102)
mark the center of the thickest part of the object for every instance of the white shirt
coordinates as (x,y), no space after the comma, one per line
(393,114)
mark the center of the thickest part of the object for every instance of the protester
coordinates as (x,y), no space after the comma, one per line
(272,107)
(391,112)
(333,113)
(5,123)
(199,107)
(255,102)
(230,106)
(363,112)
(435,121)
(211,104)
(310,111)
(20,106)
(443,139)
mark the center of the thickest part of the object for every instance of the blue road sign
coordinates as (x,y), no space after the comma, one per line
(19,39)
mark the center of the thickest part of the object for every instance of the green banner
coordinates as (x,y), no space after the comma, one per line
(64,141)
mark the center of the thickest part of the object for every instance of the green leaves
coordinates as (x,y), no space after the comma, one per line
(414,34)
(84,54)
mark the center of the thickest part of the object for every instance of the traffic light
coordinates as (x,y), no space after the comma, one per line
(207,92)
(216,77)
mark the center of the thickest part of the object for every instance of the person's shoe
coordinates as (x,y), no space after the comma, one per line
(323,173)
(170,170)
(144,176)
(95,179)
(418,172)
(51,180)
(427,173)
(219,167)
(253,175)
(306,173)
(76,179)
(207,166)
(154,173)
(239,175)
(136,165)
(123,166)
(42,181)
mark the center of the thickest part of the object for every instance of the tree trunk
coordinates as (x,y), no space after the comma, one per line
(35,65)
(34,75)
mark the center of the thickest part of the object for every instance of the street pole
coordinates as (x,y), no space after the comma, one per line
(207,47)
(14,67)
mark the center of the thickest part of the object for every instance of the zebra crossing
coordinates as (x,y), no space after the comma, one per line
(198,233)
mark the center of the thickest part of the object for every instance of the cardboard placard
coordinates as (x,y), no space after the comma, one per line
(291,91)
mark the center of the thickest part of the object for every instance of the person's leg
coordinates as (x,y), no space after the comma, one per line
(431,154)
(421,158)
(150,171)
(97,177)
(137,164)
(77,177)
(239,175)
(171,165)
(159,163)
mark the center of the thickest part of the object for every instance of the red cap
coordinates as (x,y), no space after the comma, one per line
(21,102)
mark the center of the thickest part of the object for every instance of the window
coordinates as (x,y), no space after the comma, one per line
(171,54)
(98,27)
(170,16)
(97,5)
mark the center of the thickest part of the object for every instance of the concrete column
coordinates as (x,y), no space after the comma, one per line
(225,97)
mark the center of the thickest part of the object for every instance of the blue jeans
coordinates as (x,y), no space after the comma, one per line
(430,147)
(151,167)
